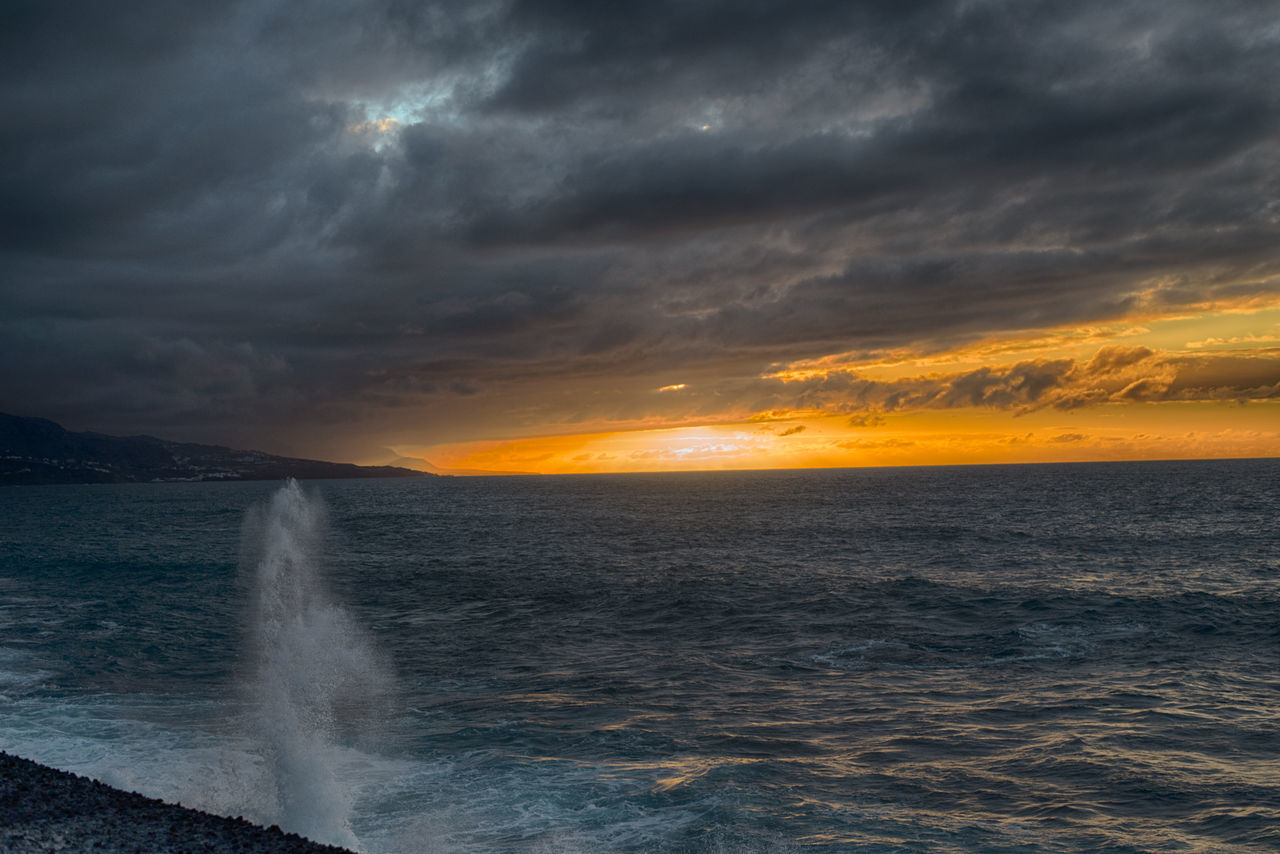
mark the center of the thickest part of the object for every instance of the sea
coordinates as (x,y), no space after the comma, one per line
(1032,658)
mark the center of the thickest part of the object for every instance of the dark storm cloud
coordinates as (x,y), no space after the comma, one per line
(226,217)
(582,51)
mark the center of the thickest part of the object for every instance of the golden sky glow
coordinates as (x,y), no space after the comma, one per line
(1181,387)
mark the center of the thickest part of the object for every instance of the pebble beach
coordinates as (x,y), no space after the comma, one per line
(46,810)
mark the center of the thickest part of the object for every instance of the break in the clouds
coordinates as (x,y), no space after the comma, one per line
(255,219)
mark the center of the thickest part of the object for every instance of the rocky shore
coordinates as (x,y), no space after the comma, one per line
(43,810)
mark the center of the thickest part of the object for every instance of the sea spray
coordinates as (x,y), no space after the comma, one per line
(315,680)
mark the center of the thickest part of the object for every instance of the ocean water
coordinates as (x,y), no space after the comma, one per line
(992,659)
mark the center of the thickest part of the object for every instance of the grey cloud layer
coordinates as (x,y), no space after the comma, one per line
(199,237)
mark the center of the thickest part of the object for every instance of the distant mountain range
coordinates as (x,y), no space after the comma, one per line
(419,464)
(35,450)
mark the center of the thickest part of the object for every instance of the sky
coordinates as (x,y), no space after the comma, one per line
(633,236)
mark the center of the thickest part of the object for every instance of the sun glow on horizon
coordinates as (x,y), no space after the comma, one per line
(906,439)
(1171,387)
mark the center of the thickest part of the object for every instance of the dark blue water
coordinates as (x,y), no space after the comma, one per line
(997,659)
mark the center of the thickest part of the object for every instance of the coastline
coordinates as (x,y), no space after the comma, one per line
(43,810)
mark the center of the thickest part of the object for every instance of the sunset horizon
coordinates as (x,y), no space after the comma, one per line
(1060,402)
(543,237)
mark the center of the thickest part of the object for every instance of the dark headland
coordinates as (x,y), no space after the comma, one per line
(44,810)
(35,450)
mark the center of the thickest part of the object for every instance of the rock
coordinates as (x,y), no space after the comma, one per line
(45,810)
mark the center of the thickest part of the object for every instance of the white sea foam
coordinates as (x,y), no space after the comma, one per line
(15,672)
(315,681)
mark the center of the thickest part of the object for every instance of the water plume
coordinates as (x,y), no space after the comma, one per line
(315,680)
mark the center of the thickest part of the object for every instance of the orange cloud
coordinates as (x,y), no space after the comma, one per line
(1114,374)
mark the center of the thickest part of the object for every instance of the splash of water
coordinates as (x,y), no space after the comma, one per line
(315,680)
